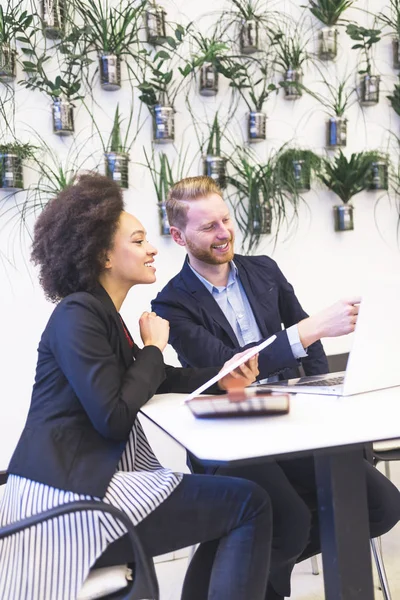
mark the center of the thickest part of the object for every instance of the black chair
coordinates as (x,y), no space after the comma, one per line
(144,585)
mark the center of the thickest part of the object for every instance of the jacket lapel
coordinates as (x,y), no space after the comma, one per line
(127,353)
(205,299)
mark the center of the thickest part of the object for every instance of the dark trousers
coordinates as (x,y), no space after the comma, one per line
(231,518)
(292,489)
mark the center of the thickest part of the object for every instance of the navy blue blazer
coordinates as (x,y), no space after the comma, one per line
(89,387)
(202,336)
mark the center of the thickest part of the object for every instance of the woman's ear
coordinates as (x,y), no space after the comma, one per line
(177,236)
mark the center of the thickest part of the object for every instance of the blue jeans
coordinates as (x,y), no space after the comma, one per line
(231,518)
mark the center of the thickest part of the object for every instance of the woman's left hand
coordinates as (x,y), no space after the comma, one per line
(242,376)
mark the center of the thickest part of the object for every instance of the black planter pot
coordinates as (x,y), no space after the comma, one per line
(8,63)
(396,53)
(336,132)
(63,117)
(163,124)
(261,220)
(215,167)
(110,72)
(343,216)
(379,175)
(256,126)
(155,25)
(11,171)
(117,168)
(292,81)
(248,36)
(164,225)
(208,80)
(53,17)
(327,46)
(369,90)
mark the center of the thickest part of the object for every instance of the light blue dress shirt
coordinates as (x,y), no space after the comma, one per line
(235,305)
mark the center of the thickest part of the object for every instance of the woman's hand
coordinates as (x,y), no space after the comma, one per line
(154,330)
(242,376)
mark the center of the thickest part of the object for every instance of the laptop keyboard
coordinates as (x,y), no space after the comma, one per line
(324,382)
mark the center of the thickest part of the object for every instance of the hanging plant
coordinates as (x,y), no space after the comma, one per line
(329,12)
(392,21)
(251,20)
(12,155)
(395,98)
(116,156)
(369,84)
(378,176)
(14,22)
(156,28)
(291,55)
(295,168)
(214,164)
(113,32)
(346,178)
(53,13)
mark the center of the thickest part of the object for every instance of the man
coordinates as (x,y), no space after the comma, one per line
(221,303)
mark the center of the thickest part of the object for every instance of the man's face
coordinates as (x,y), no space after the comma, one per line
(209,233)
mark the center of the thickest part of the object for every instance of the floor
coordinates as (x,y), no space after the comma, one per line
(305,586)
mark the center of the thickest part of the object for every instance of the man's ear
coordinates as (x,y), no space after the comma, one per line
(177,236)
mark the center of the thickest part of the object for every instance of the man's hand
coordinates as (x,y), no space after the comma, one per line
(242,376)
(338,319)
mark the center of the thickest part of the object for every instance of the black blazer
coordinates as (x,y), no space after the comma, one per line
(88,389)
(202,336)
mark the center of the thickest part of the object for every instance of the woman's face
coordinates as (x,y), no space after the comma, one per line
(131,259)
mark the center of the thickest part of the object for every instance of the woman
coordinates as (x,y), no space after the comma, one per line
(82,438)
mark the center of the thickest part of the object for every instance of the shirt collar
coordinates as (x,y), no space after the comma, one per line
(232,278)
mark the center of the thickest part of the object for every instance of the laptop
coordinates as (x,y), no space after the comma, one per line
(373,362)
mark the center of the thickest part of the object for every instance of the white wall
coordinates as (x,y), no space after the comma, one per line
(321,264)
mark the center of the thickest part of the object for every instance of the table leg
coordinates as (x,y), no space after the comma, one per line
(344,529)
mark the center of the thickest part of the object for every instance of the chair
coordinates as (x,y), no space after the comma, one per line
(113,579)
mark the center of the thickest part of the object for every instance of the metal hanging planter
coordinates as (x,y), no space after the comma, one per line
(248,36)
(8,63)
(164,224)
(369,89)
(11,177)
(327,43)
(110,72)
(343,217)
(301,175)
(53,18)
(379,178)
(261,219)
(256,126)
(208,80)
(292,82)
(155,25)
(63,117)
(336,132)
(117,168)
(396,53)
(163,124)
(215,167)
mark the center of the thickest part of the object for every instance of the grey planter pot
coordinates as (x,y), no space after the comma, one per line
(8,63)
(63,117)
(302,176)
(256,126)
(261,223)
(208,80)
(155,25)
(215,167)
(343,216)
(336,132)
(110,72)
(292,81)
(117,168)
(164,225)
(163,124)
(248,36)
(327,43)
(369,90)
(396,53)
(379,175)
(53,17)
(11,171)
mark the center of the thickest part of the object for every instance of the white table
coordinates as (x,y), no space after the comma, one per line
(335,429)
